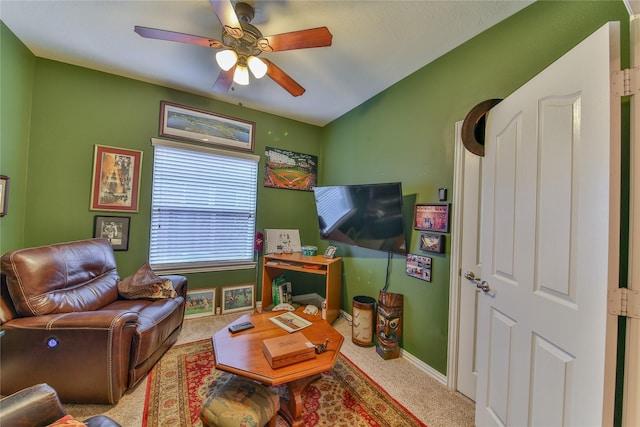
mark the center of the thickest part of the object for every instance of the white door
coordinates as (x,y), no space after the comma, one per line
(469,229)
(550,234)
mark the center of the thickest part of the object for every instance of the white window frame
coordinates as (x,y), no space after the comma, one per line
(246,259)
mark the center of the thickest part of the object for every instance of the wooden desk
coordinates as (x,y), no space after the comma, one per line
(242,354)
(330,268)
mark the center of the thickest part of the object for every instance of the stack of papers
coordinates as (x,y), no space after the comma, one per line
(290,322)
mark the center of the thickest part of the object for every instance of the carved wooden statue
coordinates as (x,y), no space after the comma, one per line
(389,325)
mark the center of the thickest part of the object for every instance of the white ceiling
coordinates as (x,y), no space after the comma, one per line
(375,44)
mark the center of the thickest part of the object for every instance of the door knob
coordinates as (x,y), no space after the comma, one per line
(482,285)
(469,275)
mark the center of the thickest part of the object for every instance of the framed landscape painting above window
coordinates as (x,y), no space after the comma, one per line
(116,179)
(192,124)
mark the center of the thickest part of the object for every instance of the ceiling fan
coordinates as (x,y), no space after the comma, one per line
(242,43)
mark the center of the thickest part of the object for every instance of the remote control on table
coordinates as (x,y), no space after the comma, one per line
(234,329)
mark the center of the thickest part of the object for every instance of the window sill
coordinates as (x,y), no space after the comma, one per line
(201,269)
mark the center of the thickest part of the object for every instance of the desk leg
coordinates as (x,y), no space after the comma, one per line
(291,411)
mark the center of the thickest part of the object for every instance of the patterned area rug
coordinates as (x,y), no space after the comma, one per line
(345,396)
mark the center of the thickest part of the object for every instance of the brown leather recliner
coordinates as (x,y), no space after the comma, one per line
(39,406)
(66,325)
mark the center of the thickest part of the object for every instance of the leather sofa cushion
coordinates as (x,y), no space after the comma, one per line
(157,320)
(61,278)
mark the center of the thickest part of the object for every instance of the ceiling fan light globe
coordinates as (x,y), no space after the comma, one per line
(257,67)
(241,75)
(226,59)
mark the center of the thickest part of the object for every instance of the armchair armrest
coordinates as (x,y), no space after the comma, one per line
(84,356)
(33,406)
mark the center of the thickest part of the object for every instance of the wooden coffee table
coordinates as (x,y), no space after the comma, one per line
(241,354)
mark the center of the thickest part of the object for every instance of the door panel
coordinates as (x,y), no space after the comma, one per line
(551,379)
(501,331)
(469,229)
(550,237)
(558,187)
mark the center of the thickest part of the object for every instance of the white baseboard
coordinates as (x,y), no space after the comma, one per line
(435,374)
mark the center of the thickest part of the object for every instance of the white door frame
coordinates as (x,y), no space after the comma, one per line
(630,409)
(454,266)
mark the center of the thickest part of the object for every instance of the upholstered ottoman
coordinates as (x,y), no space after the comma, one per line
(240,402)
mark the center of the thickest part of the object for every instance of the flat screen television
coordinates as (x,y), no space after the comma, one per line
(368,216)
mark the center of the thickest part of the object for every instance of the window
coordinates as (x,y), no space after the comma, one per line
(203,208)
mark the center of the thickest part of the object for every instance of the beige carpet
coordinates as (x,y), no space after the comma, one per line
(422,395)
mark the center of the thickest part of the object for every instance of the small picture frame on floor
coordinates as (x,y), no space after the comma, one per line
(200,302)
(238,298)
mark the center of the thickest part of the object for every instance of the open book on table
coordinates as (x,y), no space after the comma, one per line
(290,322)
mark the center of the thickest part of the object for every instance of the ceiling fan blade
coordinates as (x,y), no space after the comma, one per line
(153,33)
(224,80)
(228,18)
(314,37)
(283,79)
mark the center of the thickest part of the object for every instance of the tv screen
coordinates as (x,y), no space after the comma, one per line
(369,216)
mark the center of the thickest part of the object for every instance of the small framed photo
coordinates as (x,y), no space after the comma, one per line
(191,124)
(114,228)
(116,179)
(4,194)
(432,242)
(419,266)
(330,252)
(432,217)
(238,298)
(200,302)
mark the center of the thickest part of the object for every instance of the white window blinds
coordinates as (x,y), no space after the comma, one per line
(203,207)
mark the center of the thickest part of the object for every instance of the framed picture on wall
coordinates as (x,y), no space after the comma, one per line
(238,298)
(116,179)
(200,302)
(290,170)
(192,124)
(432,217)
(113,228)
(432,242)
(419,266)
(4,194)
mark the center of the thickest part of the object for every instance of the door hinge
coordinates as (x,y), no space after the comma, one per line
(624,302)
(626,82)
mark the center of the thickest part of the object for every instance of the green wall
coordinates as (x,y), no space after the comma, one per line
(406,133)
(75,108)
(16,77)
(53,114)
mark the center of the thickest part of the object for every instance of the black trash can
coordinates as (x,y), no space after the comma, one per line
(363,322)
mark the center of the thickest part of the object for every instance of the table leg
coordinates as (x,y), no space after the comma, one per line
(291,410)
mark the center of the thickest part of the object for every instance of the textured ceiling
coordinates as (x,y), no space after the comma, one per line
(375,44)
